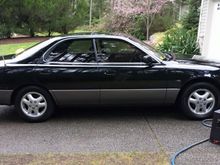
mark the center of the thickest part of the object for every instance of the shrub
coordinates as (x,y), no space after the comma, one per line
(180,41)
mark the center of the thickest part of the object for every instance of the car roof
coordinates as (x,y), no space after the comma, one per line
(94,35)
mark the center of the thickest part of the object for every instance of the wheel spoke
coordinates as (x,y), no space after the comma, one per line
(209,100)
(29,110)
(192,100)
(197,108)
(204,108)
(40,98)
(41,105)
(206,95)
(196,95)
(30,97)
(36,112)
(25,101)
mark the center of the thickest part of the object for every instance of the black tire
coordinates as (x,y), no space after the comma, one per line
(187,93)
(47,110)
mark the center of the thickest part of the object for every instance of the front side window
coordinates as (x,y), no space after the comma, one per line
(114,50)
(76,51)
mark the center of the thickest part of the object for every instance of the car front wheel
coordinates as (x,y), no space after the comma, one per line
(199,100)
(34,104)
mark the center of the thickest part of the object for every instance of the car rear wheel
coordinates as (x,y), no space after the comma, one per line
(34,104)
(199,100)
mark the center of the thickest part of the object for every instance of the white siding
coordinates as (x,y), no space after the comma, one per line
(203,18)
(208,34)
(203,22)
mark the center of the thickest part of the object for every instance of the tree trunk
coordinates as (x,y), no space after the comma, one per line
(32,33)
(8,33)
(49,32)
(147,34)
(147,27)
(64,30)
(90,13)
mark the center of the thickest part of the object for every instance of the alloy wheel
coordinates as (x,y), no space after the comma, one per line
(33,104)
(201,101)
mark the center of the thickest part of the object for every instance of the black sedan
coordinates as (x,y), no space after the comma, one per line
(105,69)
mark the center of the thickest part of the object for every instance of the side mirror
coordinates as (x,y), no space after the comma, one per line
(148,60)
(170,56)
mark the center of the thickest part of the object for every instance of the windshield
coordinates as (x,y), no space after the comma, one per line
(32,50)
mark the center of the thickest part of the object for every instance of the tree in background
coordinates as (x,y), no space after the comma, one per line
(191,21)
(6,18)
(70,14)
(146,8)
(40,16)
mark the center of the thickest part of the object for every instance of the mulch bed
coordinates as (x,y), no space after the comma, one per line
(22,40)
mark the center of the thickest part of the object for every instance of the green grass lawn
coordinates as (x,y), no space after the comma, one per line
(7,49)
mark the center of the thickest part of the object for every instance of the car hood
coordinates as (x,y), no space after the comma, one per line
(193,64)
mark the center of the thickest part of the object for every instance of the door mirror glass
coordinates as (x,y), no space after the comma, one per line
(148,60)
(170,56)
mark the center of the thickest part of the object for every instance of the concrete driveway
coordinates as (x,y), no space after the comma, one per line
(110,129)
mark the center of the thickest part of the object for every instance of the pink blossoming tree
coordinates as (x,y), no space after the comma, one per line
(147,8)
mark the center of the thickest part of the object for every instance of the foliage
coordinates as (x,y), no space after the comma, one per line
(146,8)
(180,41)
(136,24)
(40,15)
(191,21)
(6,18)
(165,19)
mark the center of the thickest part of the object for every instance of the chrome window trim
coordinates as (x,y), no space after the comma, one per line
(119,89)
(24,65)
(122,63)
(71,63)
(125,65)
(93,38)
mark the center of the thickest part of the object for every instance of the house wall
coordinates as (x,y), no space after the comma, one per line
(209,30)
(202,23)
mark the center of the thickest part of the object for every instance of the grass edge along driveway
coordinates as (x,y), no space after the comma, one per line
(133,158)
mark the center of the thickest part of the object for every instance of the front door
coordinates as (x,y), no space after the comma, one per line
(69,71)
(125,78)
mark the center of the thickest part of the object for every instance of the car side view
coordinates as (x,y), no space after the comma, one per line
(107,69)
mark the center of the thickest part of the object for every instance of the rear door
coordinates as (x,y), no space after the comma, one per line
(69,71)
(125,78)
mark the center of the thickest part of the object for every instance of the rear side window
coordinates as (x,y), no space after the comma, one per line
(75,51)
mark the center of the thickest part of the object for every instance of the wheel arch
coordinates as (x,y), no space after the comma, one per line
(197,80)
(17,89)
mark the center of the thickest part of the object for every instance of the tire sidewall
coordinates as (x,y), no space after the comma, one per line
(50,105)
(188,91)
